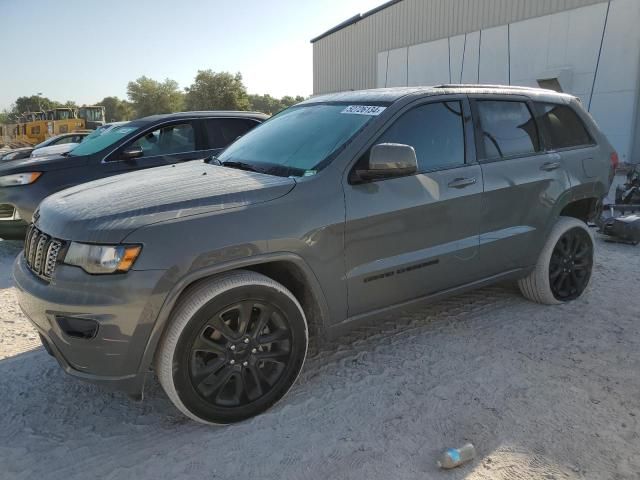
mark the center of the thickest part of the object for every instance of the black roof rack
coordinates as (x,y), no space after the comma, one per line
(481,85)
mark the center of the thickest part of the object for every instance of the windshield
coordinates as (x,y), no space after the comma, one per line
(299,141)
(45,143)
(93,145)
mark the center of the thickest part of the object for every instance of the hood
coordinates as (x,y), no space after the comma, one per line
(40,164)
(53,149)
(107,210)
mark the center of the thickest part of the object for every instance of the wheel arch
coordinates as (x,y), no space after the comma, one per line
(585,209)
(286,268)
(579,202)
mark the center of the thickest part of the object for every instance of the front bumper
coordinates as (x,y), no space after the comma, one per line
(24,199)
(125,308)
(13,229)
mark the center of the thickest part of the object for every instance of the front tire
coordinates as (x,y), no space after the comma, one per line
(564,266)
(235,345)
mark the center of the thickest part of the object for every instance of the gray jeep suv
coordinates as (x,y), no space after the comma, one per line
(340,209)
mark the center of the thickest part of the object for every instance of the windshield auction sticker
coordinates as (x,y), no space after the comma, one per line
(364,110)
(125,130)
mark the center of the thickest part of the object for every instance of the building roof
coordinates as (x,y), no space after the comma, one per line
(389,95)
(355,19)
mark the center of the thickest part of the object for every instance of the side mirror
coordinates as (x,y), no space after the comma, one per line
(131,153)
(389,160)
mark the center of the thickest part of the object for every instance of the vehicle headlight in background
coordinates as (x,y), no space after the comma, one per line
(102,259)
(19,179)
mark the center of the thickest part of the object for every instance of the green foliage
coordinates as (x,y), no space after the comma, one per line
(116,110)
(216,91)
(149,97)
(209,91)
(33,104)
(271,105)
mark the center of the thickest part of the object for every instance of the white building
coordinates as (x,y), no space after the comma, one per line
(589,48)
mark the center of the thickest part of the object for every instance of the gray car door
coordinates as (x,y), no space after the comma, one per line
(522,183)
(408,237)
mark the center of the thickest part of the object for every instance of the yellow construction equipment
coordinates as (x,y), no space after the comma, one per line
(34,127)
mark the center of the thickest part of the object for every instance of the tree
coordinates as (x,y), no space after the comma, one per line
(216,91)
(116,110)
(149,97)
(265,104)
(270,105)
(34,103)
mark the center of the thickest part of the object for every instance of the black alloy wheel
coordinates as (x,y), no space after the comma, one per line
(240,353)
(571,264)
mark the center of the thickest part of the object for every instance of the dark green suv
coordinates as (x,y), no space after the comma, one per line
(340,209)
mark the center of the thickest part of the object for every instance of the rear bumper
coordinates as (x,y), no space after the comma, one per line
(124,307)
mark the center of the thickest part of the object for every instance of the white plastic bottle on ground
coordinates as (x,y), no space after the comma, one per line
(454,457)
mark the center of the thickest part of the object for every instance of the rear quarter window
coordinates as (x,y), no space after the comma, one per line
(224,131)
(508,129)
(562,126)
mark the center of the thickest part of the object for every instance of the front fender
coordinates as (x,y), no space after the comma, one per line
(185,281)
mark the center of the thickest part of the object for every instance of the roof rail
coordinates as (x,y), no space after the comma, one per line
(483,85)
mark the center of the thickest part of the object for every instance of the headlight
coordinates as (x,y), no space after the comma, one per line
(101,259)
(19,179)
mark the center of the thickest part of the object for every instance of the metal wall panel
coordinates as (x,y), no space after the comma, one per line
(347,58)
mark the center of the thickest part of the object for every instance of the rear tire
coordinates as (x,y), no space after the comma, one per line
(235,345)
(564,266)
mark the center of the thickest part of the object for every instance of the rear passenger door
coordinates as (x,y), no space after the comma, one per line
(412,236)
(221,132)
(565,133)
(522,182)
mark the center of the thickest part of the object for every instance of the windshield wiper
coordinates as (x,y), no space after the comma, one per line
(240,166)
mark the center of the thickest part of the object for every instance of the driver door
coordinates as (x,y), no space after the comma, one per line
(412,236)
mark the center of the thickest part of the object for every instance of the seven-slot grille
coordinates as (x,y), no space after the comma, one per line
(41,252)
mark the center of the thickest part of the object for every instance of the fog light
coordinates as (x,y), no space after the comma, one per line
(77,327)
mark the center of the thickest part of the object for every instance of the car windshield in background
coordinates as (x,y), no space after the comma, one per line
(43,144)
(93,145)
(299,141)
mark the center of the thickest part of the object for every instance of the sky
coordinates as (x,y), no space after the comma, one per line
(85,50)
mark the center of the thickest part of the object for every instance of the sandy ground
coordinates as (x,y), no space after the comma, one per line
(543,393)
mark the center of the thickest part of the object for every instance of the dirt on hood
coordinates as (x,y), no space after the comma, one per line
(108,209)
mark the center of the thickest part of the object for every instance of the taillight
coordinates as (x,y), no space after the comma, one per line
(614,160)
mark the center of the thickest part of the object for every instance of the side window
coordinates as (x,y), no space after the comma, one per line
(167,140)
(435,131)
(507,129)
(562,126)
(63,140)
(224,131)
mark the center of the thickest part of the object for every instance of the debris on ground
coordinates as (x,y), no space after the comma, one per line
(454,457)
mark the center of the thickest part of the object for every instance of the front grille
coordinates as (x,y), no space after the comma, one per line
(41,252)
(6,211)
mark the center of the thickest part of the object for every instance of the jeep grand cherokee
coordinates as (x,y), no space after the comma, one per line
(340,209)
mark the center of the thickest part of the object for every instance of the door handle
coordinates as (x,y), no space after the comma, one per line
(548,166)
(461,182)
